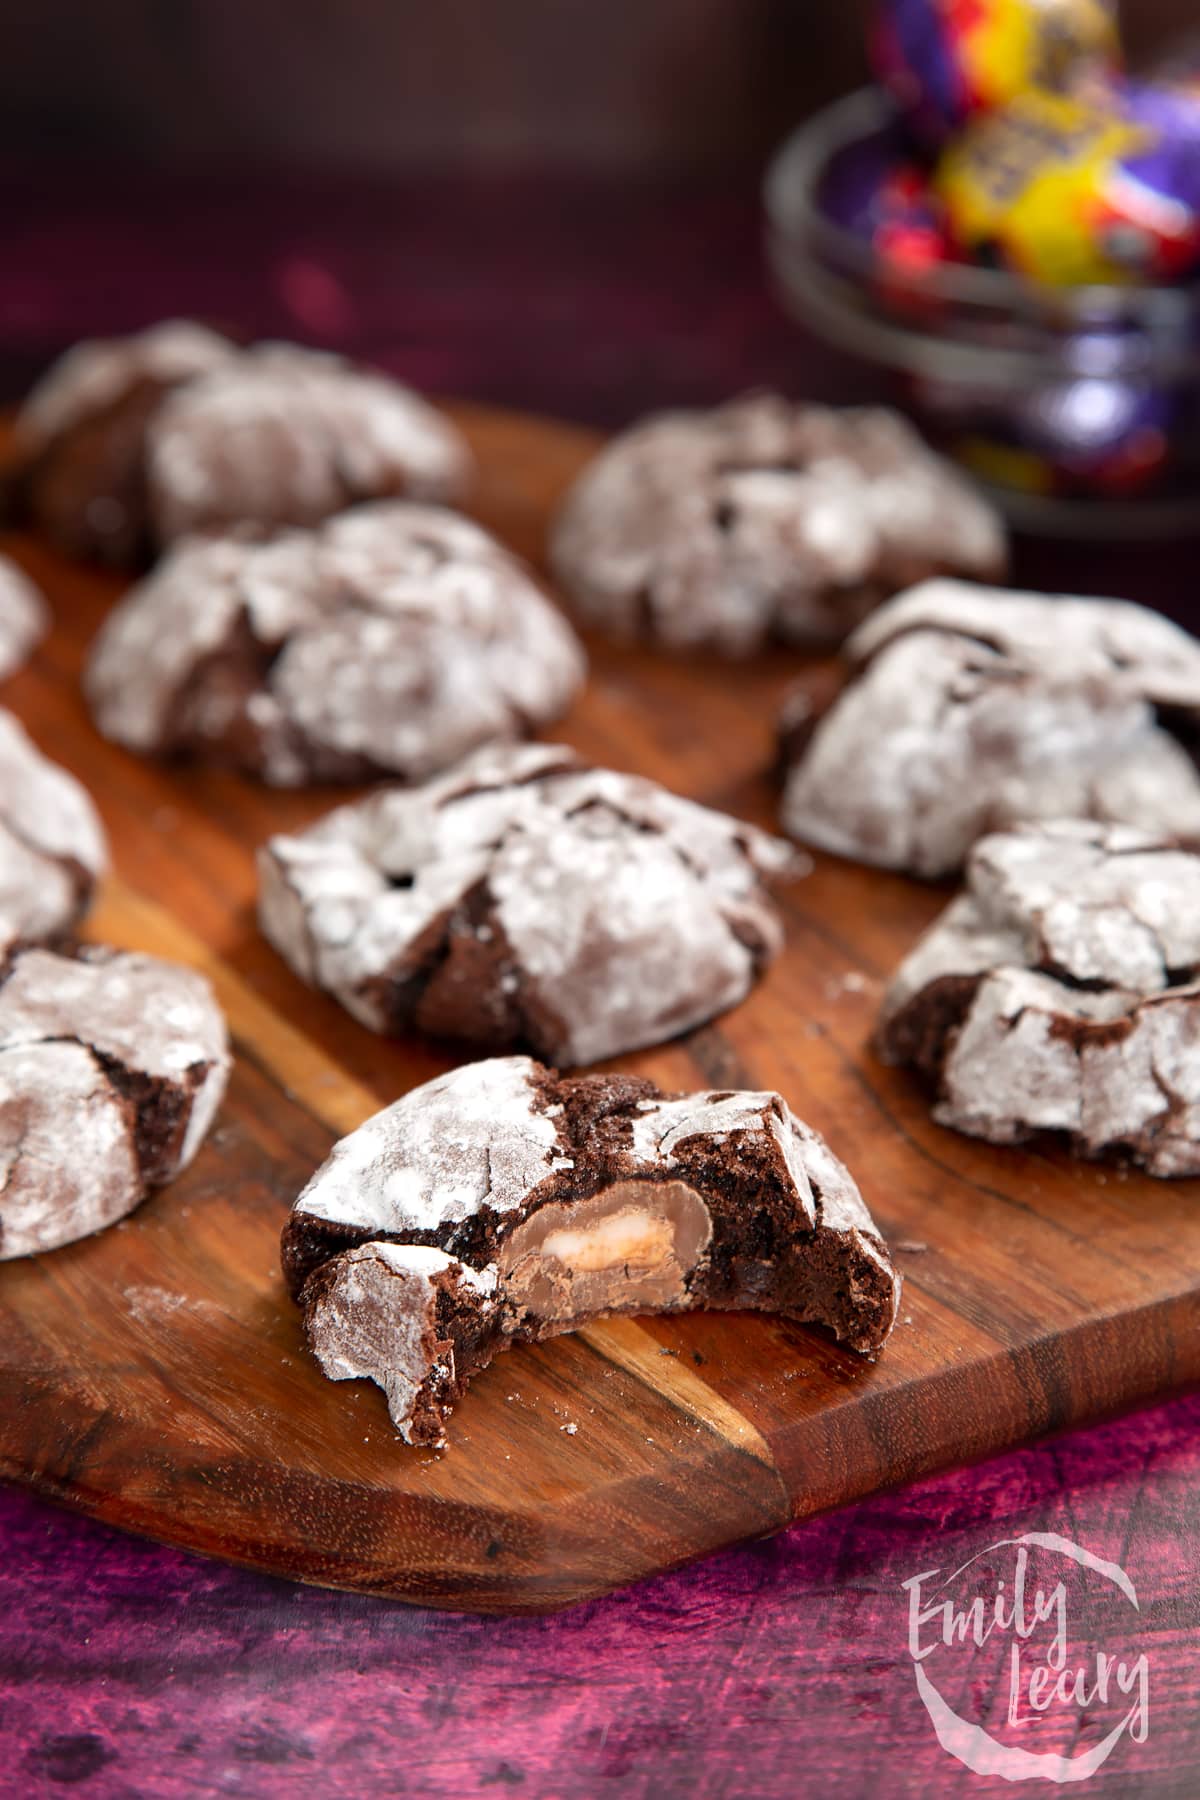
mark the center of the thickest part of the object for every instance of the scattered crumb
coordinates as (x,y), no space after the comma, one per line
(907,1320)
(911,1246)
(145,1302)
(569,1429)
(852,982)
(668,1353)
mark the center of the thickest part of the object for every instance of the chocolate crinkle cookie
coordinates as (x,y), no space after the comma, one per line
(52,846)
(24,618)
(527,900)
(391,640)
(505,1204)
(112,1066)
(129,443)
(965,710)
(764,520)
(80,439)
(285,436)
(1061,993)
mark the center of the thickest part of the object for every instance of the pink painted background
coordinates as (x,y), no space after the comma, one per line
(778,1669)
(775,1670)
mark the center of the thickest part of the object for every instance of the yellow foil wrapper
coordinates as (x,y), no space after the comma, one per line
(1037,188)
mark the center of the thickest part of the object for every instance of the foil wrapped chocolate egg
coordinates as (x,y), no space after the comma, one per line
(1105,426)
(876,190)
(1070,192)
(1100,430)
(947,61)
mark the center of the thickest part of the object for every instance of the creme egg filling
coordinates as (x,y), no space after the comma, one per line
(640,1239)
(629,1248)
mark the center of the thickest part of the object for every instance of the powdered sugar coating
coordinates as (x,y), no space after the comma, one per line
(394,638)
(471,1139)
(286,436)
(376,1318)
(1092,636)
(93,375)
(67,1161)
(52,847)
(602,911)
(487,1136)
(149,1015)
(179,616)
(24,618)
(422,1261)
(764,519)
(969,709)
(112,1066)
(824,1193)
(1072,963)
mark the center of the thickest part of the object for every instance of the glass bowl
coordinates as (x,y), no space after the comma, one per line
(1077,409)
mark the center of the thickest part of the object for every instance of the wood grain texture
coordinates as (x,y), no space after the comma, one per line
(155,1376)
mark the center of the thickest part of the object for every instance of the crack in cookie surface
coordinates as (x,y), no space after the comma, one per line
(80,437)
(762,520)
(112,1066)
(528,900)
(339,653)
(1047,997)
(281,435)
(965,710)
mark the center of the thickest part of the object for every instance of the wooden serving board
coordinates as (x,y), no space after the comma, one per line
(155,1375)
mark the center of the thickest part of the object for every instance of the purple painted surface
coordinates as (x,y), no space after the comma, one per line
(779,1669)
(776,1669)
(579,296)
